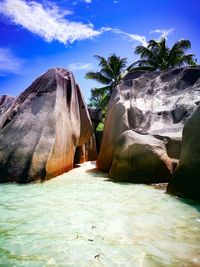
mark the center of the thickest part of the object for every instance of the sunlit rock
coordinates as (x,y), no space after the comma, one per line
(155,103)
(42,129)
(186,179)
(140,158)
(5,103)
(116,123)
(163,100)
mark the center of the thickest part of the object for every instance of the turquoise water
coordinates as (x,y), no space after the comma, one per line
(82,219)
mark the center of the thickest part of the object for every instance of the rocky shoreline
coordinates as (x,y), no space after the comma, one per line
(48,128)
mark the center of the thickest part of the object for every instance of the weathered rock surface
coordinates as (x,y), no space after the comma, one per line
(5,103)
(186,179)
(156,103)
(140,158)
(162,101)
(41,130)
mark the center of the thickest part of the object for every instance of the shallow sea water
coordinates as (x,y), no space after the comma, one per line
(81,219)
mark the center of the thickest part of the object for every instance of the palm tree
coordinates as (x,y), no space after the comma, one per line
(157,56)
(111,73)
(98,99)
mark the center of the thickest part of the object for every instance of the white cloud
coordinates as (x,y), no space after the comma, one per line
(163,32)
(79,66)
(116,2)
(132,36)
(8,62)
(48,22)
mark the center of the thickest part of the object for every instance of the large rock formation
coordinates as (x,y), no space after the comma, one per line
(42,129)
(5,103)
(186,179)
(154,103)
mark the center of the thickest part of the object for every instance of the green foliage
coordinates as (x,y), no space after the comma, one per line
(112,71)
(99,99)
(100,127)
(157,56)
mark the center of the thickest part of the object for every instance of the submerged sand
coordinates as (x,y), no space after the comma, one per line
(83,219)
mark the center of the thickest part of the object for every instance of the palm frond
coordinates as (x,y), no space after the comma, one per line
(183,44)
(188,59)
(152,44)
(99,98)
(145,53)
(98,76)
(100,91)
(143,68)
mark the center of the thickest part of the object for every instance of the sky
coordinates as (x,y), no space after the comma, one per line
(38,35)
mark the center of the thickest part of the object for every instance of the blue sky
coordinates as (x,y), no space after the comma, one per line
(38,35)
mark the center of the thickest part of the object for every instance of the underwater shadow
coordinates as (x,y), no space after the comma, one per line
(97,173)
(75,166)
(194,203)
(191,202)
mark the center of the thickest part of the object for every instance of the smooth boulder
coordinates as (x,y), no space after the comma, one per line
(186,179)
(41,130)
(140,158)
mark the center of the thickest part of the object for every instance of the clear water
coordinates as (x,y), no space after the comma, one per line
(82,219)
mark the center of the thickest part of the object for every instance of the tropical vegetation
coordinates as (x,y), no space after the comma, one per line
(158,56)
(112,71)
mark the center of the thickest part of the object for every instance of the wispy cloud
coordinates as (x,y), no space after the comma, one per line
(163,32)
(79,66)
(132,36)
(8,62)
(48,22)
(88,1)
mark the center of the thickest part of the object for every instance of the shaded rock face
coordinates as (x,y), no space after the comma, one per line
(186,179)
(156,103)
(86,152)
(5,103)
(140,158)
(96,118)
(42,129)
